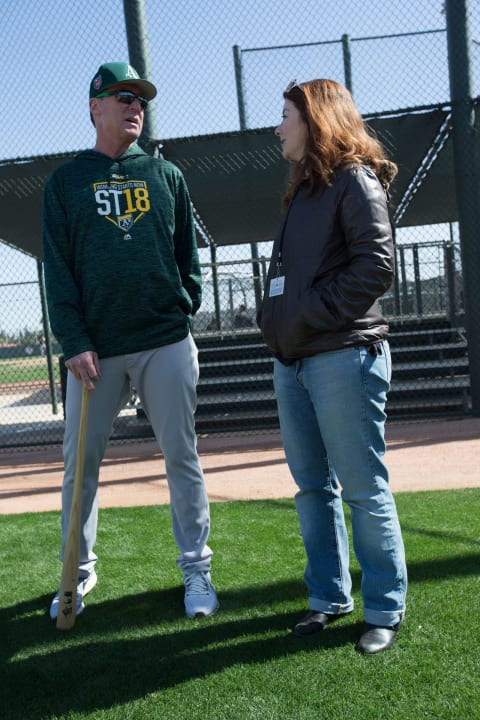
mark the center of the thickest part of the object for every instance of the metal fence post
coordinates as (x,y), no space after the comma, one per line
(242,116)
(48,337)
(242,111)
(466,178)
(216,295)
(347,62)
(139,56)
(417,280)
(449,254)
(404,283)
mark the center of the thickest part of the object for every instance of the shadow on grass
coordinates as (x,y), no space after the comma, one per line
(126,649)
(123,650)
(444,534)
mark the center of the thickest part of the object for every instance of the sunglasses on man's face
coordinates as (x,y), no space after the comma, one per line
(126,97)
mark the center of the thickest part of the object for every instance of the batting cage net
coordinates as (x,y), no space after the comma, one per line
(220,69)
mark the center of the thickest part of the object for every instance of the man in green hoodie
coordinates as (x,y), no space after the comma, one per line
(123,281)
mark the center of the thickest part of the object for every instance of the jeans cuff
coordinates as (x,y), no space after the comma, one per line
(318,605)
(384,618)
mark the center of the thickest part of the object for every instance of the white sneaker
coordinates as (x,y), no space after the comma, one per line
(84,586)
(200,596)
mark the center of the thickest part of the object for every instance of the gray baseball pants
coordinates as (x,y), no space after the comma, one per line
(165,379)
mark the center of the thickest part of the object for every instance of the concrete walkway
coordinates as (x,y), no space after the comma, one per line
(423,455)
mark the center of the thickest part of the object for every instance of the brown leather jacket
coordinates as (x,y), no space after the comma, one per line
(337,259)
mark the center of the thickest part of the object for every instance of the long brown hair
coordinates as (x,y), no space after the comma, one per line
(337,135)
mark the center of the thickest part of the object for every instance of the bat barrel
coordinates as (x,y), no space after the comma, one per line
(67,606)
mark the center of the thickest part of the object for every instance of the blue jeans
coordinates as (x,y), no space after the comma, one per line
(332,420)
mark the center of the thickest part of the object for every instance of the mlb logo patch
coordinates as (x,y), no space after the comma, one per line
(97,83)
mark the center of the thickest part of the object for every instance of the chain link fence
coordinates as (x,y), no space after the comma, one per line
(220,68)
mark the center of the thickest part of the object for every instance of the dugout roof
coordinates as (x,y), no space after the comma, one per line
(236,179)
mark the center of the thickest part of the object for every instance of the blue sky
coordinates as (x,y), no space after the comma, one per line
(51,50)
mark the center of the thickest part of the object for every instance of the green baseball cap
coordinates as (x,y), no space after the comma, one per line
(118,73)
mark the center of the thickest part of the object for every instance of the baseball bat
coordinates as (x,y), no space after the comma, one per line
(67,606)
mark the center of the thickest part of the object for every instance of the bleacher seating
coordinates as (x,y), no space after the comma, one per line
(235,391)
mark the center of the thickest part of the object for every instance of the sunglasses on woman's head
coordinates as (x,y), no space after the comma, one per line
(127,97)
(293,84)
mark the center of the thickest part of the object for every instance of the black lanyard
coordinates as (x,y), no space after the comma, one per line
(280,242)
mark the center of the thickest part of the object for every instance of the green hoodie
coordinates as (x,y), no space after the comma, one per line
(119,251)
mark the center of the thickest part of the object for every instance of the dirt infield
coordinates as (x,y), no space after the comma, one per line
(423,455)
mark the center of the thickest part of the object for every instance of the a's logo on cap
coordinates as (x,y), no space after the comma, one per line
(131,73)
(97,82)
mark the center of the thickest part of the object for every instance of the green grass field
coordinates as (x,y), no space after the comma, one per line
(25,370)
(133,655)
